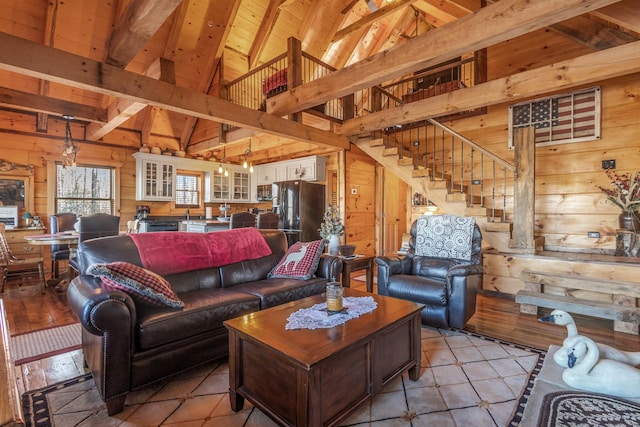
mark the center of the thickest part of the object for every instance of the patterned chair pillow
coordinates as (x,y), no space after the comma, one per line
(300,261)
(143,285)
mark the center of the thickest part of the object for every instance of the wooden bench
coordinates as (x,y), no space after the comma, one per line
(622,309)
(10,408)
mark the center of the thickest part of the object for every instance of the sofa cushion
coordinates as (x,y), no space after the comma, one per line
(274,292)
(204,311)
(143,285)
(300,261)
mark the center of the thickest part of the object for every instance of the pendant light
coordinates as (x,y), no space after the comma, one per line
(69,150)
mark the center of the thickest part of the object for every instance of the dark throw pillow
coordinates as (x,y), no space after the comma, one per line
(143,285)
(300,261)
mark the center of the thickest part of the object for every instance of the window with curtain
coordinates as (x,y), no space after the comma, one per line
(559,119)
(188,189)
(85,190)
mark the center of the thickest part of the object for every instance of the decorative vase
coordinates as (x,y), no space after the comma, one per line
(629,221)
(334,242)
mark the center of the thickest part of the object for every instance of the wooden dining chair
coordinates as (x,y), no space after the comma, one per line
(92,227)
(268,220)
(57,223)
(242,220)
(15,267)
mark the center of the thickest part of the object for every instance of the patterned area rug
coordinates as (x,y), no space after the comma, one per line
(550,402)
(466,379)
(45,343)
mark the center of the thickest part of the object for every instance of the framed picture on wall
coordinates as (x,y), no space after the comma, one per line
(9,216)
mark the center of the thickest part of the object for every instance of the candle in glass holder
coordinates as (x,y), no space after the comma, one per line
(334,297)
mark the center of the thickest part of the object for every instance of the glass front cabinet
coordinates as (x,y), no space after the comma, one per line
(155,180)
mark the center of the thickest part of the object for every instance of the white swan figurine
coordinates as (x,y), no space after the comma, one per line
(563,318)
(588,372)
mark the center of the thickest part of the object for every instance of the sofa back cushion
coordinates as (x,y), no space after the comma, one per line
(255,269)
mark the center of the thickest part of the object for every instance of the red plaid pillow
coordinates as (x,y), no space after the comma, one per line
(142,284)
(300,261)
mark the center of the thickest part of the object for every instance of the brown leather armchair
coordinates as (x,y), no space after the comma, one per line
(447,286)
(57,223)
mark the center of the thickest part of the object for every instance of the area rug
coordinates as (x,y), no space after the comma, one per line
(550,402)
(466,379)
(45,343)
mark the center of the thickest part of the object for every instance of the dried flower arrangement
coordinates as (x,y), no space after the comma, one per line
(624,191)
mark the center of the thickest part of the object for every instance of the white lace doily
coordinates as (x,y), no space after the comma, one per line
(316,317)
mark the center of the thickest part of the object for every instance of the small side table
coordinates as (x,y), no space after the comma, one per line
(349,265)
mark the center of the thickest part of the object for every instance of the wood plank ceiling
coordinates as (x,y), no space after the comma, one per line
(146,66)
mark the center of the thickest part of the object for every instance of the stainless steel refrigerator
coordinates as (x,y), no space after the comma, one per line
(301,206)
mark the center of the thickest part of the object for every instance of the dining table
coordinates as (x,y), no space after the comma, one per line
(69,238)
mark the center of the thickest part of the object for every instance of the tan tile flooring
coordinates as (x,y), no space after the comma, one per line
(479,380)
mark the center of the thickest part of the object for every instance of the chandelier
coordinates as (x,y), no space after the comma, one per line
(70,150)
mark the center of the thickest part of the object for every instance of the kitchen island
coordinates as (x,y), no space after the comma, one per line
(205,225)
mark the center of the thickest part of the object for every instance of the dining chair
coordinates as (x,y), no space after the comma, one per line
(242,220)
(92,227)
(58,223)
(14,267)
(268,220)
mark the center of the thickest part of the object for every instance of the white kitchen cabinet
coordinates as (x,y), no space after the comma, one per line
(155,178)
(265,174)
(307,168)
(236,187)
(220,186)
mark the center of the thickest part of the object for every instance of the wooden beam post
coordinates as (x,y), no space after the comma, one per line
(524,189)
(294,70)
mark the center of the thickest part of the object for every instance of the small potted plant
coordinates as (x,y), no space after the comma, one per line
(331,228)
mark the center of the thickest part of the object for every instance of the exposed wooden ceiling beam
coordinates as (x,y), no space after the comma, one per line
(264,30)
(625,14)
(369,19)
(35,60)
(122,109)
(587,69)
(490,25)
(138,23)
(55,107)
(591,33)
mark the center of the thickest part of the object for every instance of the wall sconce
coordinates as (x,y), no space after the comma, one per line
(69,150)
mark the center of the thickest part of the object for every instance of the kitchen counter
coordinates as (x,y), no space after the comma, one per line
(205,225)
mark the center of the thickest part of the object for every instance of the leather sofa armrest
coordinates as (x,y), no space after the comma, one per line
(100,310)
(464,270)
(388,266)
(329,267)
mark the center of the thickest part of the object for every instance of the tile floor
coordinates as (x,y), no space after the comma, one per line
(465,381)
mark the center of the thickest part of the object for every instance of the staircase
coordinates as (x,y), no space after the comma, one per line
(451,184)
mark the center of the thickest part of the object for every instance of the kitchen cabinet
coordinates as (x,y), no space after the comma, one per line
(155,178)
(311,168)
(266,174)
(236,187)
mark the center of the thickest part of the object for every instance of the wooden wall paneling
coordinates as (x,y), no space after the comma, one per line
(360,207)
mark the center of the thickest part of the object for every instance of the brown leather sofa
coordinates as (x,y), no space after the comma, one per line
(448,287)
(127,345)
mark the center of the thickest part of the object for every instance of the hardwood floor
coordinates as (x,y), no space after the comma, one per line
(29,310)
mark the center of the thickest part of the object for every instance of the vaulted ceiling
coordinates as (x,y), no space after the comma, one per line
(146,67)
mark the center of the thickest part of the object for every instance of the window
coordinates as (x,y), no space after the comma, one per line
(85,190)
(560,119)
(188,189)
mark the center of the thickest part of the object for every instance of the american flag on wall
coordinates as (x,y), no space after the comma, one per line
(563,118)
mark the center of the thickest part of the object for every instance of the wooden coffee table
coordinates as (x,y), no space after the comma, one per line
(316,377)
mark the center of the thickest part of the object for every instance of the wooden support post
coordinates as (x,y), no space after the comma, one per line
(524,190)
(294,69)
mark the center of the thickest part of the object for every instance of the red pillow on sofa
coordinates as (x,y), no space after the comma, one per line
(143,285)
(300,261)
